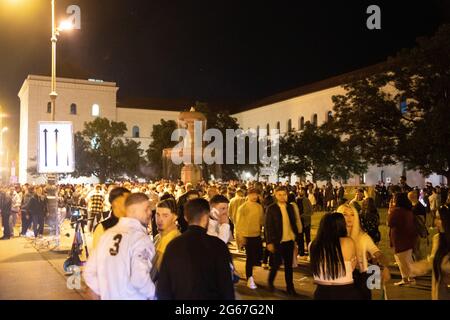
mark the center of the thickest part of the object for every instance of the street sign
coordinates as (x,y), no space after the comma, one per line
(56,147)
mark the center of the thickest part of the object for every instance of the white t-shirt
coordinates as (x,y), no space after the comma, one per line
(119,268)
(364,247)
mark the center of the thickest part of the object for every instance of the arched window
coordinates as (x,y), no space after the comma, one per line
(329,116)
(278,126)
(95,110)
(301,123)
(289,125)
(268,129)
(49,107)
(73,108)
(135,132)
(314,119)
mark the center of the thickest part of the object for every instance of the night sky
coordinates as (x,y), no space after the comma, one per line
(227,52)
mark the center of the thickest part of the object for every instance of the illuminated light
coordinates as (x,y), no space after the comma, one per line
(65,25)
(95,110)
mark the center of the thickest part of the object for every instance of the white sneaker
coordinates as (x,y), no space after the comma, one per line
(251,283)
(401,283)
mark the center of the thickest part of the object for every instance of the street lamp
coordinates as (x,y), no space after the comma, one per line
(65,25)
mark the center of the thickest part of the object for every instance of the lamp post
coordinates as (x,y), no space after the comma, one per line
(52,178)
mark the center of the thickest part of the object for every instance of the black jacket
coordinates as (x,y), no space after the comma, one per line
(195,266)
(274,223)
(37,206)
(5,204)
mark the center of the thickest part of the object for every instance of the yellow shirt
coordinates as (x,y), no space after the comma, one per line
(250,219)
(161,242)
(288,234)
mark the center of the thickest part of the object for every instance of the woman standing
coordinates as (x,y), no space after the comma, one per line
(365,250)
(333,259)
(402,235)
(439,260)
(370,219)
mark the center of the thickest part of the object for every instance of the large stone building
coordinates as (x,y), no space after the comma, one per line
(83,100)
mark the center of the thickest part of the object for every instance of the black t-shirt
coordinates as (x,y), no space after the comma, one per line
(419,210)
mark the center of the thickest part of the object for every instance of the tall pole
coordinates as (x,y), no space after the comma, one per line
(54,39)
(52,178)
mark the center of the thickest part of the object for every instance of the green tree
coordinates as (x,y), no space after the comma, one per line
(102,151)
(161,139)
(318,152)
(401,112)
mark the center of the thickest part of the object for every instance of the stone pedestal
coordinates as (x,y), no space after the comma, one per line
(191,173)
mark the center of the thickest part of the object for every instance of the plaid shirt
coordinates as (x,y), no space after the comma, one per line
(96,203)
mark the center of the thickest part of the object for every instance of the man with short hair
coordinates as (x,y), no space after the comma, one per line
(166,221)
(281,232)
(206,262)
(95,207)
(119,268)
(117,198)
(250,220)
(219,224)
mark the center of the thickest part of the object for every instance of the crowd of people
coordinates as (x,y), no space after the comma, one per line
(170,240)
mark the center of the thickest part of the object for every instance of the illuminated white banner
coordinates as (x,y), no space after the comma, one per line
(56,147)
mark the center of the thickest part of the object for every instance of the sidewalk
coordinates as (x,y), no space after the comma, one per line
(27,275)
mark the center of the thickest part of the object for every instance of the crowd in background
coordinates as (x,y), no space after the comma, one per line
(268,221)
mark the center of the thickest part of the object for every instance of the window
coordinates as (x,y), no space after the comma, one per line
(73,108)
(329,116)
(135,132)
(314,119)
(301,124)
(49,107)
(382,176)
(257,131)
(278,126)
(95,110)
(268,129)
(289,125)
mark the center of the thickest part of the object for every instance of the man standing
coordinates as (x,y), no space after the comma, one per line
(5,207)
(235,203)
(117,198)
(219,222)
(281,232)
(403,185)
(119,269)
(250,219)
(206,262)
(166,220)
(95,207)
(306,210)
(420,214)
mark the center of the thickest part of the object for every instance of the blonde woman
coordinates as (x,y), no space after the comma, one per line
(365,247)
